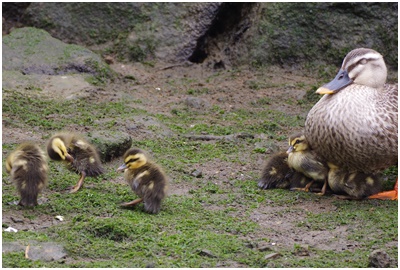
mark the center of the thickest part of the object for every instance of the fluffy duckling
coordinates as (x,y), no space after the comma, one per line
(276,172)
(355,123)
(80,156)
(145,178)
(27,165)
(356,185)
(302,159)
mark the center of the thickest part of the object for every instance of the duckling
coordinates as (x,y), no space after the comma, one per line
(354,125)
(302,159)
(276,172)
(356,185)
(27,165)
(80,156)
(145,178)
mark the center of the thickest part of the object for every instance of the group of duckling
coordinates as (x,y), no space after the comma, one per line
(350,134)
(28,168)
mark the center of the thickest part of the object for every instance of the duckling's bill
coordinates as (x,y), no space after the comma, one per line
(341,80)
(290,149)
(69,158)
(122,168)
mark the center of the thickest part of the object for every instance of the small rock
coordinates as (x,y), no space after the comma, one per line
(264,248)
(206,253)
(196,103)
(17,220)
(272,255)
(379,259)
(197,173)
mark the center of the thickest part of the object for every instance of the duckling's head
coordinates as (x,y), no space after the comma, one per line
(297,143)
(9,161)
(133,159)
(360,66)
(57,150)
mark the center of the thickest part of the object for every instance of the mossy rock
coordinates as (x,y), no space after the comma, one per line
(33,51)
(110,144)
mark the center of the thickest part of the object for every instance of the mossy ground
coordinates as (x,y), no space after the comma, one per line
(221,219)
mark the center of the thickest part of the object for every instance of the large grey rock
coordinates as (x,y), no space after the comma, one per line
(44,251)
(224,34)
(33,51)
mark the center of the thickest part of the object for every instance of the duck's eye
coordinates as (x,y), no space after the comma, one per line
(131,160)
(363,61)
(297,142)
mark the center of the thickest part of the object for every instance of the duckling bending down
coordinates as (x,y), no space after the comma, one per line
(145,178)
(80,156)
(356,185)
(302,159)
(276,172)
(354,125)
(27,165)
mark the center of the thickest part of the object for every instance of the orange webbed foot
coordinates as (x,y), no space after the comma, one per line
(386,195)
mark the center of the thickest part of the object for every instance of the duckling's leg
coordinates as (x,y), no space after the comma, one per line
(132,203)
(386,195)
(323,190)
(306,188)
(79,184)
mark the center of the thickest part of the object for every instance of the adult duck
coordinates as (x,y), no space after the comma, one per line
(354,125)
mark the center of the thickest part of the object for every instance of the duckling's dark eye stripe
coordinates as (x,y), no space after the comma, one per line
(131,160)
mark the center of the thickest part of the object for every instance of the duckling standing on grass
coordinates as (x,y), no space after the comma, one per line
(356,185)
(355,124)
(27,165)
(80,156)
(302,159)
(145,178)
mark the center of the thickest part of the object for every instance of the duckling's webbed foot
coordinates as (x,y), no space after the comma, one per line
(79,184)
(306,188)
(132,203)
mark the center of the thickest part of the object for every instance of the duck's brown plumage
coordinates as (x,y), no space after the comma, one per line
(27,165)
(355,125)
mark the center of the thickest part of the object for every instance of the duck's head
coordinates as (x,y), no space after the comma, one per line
(57,150)
(297,143)
(133,159)
(360,66)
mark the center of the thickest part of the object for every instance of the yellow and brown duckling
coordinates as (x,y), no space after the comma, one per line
(355,124)
(277,174)
(27,165)
(356,185)
(303,159)
(79,155)
(145,178)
